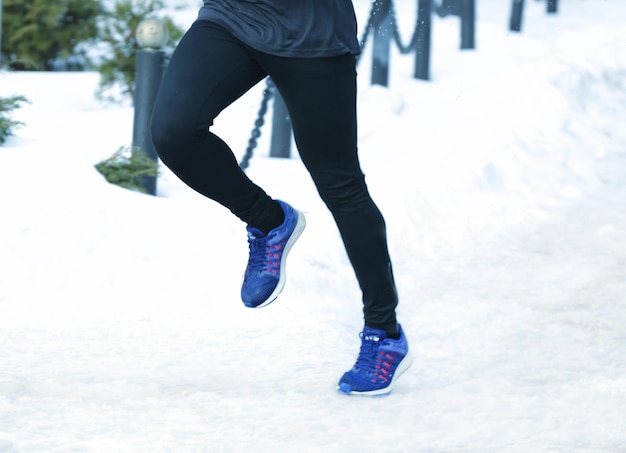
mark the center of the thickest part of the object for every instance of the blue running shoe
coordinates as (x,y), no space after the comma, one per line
(265,274)
(380,362)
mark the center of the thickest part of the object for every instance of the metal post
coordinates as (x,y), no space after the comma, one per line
(448,8)
(516,15)
(280,144)
(468,24)
(0,31)
(423,30)
(382,24)
(151,35)
(553,6)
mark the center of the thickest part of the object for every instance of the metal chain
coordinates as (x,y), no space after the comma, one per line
(268,93)
(396,34)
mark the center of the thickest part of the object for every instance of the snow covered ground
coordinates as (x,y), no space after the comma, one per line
(503,182)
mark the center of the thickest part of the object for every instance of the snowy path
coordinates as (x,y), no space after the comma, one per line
(519,346)
(539,352)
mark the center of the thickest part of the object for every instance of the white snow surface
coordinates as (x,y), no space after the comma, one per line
(503,183)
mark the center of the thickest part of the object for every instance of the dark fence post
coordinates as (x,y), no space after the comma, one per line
(517,11)
(151,35)
(448,8)
(280,144)
(468,24)
(553,6)
(383,32)
(0,31)
(423,30)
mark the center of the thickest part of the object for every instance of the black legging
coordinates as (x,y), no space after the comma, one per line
(208,71)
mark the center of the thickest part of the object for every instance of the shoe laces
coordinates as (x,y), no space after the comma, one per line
(367,354)
(374,360)
(262,254)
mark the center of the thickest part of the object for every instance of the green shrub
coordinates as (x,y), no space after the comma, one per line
(128,168)
(117,34)
(43,35)
(6,124)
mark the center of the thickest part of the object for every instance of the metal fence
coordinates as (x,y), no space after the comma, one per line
(381,30)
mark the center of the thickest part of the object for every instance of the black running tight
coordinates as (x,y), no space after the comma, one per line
(208,71)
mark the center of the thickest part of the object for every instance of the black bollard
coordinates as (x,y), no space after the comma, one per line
(517,11)
(383,32)
(280,144)
(448,8)
(151,34)
(553,6)
(148,75)
(423,30)
(0,31)
(468,24)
